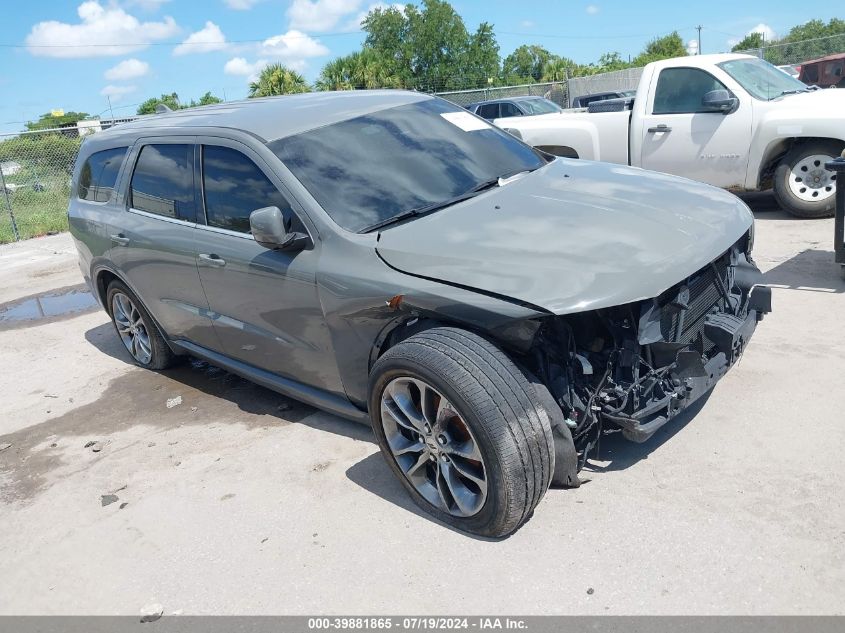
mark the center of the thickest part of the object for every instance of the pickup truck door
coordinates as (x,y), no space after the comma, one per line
(679,136)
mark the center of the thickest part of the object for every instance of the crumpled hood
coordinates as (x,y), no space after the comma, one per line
(573,236)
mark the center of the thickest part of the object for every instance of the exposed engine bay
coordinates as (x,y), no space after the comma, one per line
(632,368)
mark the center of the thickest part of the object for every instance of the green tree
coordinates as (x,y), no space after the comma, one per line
(338,74)
(749,42)
(661,48)
(276,79)
(428,47)
(149,106)
(558,69)
(172,101)
(525,64)
(206,99)
(48,121)
(482,57)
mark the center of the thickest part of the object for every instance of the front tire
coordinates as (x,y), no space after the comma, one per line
(136,329)
(803,187)
(463,430)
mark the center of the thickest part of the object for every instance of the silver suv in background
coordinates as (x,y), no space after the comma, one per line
(391,258)
(515,106)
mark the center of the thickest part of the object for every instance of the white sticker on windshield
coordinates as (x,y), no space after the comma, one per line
(465,121)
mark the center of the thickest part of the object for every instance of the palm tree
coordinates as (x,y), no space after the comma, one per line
(556,69)
(337,75)
(276,79)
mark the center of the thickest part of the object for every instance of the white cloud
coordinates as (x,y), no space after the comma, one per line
(292,47)
(692,47)
(527,24)
(240,5)
(102,32)
(319,15)
(765,30)
(210,38)
(592,9)
(240,66)
(127,69)
(116,93)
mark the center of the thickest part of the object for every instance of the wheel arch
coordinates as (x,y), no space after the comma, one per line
(778,148)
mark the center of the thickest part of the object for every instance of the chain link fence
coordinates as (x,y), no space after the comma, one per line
(796,53)
(35,171)
(554,90)
(616,81)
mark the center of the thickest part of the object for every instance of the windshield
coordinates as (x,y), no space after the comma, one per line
(539,106)
(761,79)
(369,169)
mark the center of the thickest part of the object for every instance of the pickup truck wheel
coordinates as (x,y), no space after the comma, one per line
(803,187)
(463,430)
(136,329)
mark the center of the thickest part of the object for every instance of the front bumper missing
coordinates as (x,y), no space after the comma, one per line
(694,375)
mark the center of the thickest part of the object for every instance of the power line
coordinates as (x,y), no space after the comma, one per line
(171,43)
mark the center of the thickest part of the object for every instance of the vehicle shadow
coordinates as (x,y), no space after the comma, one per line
(374,476)
(208,383)
(811,270)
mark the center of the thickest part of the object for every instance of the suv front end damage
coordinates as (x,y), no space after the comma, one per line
(634,367)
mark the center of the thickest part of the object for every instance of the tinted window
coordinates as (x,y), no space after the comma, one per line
(399,159)
(509,109)
(235,187)
(99,174)
(163,182)
(680,90)
(489,111)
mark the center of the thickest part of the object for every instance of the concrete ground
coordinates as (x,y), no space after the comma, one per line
(239,501)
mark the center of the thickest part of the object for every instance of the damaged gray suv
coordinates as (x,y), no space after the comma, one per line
(391,258)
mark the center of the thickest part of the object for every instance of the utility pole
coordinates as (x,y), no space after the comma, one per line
(111,112)
(698,28)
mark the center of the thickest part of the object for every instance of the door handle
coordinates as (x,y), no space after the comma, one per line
(212,259)
(120,239)
(660,128)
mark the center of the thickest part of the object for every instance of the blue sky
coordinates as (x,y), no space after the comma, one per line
(72,54)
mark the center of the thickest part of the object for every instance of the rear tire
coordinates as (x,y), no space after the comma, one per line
(136,329)
(481,389)
(803,187)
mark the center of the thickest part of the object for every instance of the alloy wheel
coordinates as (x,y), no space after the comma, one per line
(131,328)
(433,446)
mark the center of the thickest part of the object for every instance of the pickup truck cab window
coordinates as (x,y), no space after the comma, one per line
(234,187)
(680,90)
(163,181)
(509,109)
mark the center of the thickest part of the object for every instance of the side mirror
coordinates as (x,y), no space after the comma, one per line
(268,229)
(719,101)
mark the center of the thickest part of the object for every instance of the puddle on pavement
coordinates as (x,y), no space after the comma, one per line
(210,397)
(46,306)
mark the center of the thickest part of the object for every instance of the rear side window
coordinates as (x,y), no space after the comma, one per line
(509,109)
(163,182)
(98,176)
(489,111)
(234,187)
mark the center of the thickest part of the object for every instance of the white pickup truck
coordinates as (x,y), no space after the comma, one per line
(733,121)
